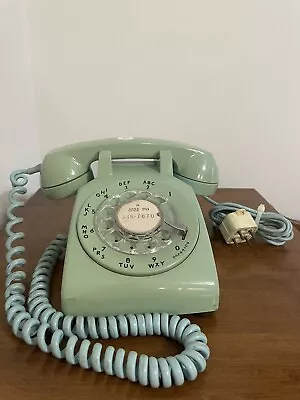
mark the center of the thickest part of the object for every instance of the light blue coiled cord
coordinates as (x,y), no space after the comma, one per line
(274,228)
(40,324)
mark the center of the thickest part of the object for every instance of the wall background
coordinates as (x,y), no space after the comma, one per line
(18,134)
(223,75)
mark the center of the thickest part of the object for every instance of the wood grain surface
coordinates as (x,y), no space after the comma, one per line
(254,336)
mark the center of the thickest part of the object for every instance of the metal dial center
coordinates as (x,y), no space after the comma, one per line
(139,217)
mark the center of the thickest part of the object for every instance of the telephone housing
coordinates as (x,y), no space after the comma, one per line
(137,240)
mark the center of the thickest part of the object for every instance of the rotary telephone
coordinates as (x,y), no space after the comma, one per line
(137,254)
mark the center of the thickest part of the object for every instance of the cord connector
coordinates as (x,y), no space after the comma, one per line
(274,228)
(238,227)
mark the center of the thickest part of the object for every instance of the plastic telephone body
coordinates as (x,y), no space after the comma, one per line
(137,241)
(66,169)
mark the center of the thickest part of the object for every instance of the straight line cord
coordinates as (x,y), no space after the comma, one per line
(274,228)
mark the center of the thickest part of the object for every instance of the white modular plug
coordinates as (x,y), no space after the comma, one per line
(238,227)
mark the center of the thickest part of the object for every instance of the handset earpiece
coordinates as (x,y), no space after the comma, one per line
(62,174)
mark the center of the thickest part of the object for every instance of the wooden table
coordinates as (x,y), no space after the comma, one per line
(254,336)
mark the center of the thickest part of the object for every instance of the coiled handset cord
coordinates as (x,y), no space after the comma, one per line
(40,324)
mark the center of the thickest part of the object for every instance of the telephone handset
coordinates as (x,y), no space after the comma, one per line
(137,254)
(66,169)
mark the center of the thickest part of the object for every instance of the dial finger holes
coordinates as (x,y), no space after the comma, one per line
(160,199)
(107,212)
(117,237)
(151,245)
(109,224)
(144,195)
(165,235)
(115,201)
(128,195)
(113,237)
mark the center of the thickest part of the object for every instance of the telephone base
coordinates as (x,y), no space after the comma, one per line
(180,278)
(191,287)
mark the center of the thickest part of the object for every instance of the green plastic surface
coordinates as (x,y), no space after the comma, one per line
(100,279)
(64,170)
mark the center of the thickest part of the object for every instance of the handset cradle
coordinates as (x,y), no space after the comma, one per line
(66,169)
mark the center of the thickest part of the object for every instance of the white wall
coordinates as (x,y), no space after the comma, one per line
(223,75)
(19,140)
